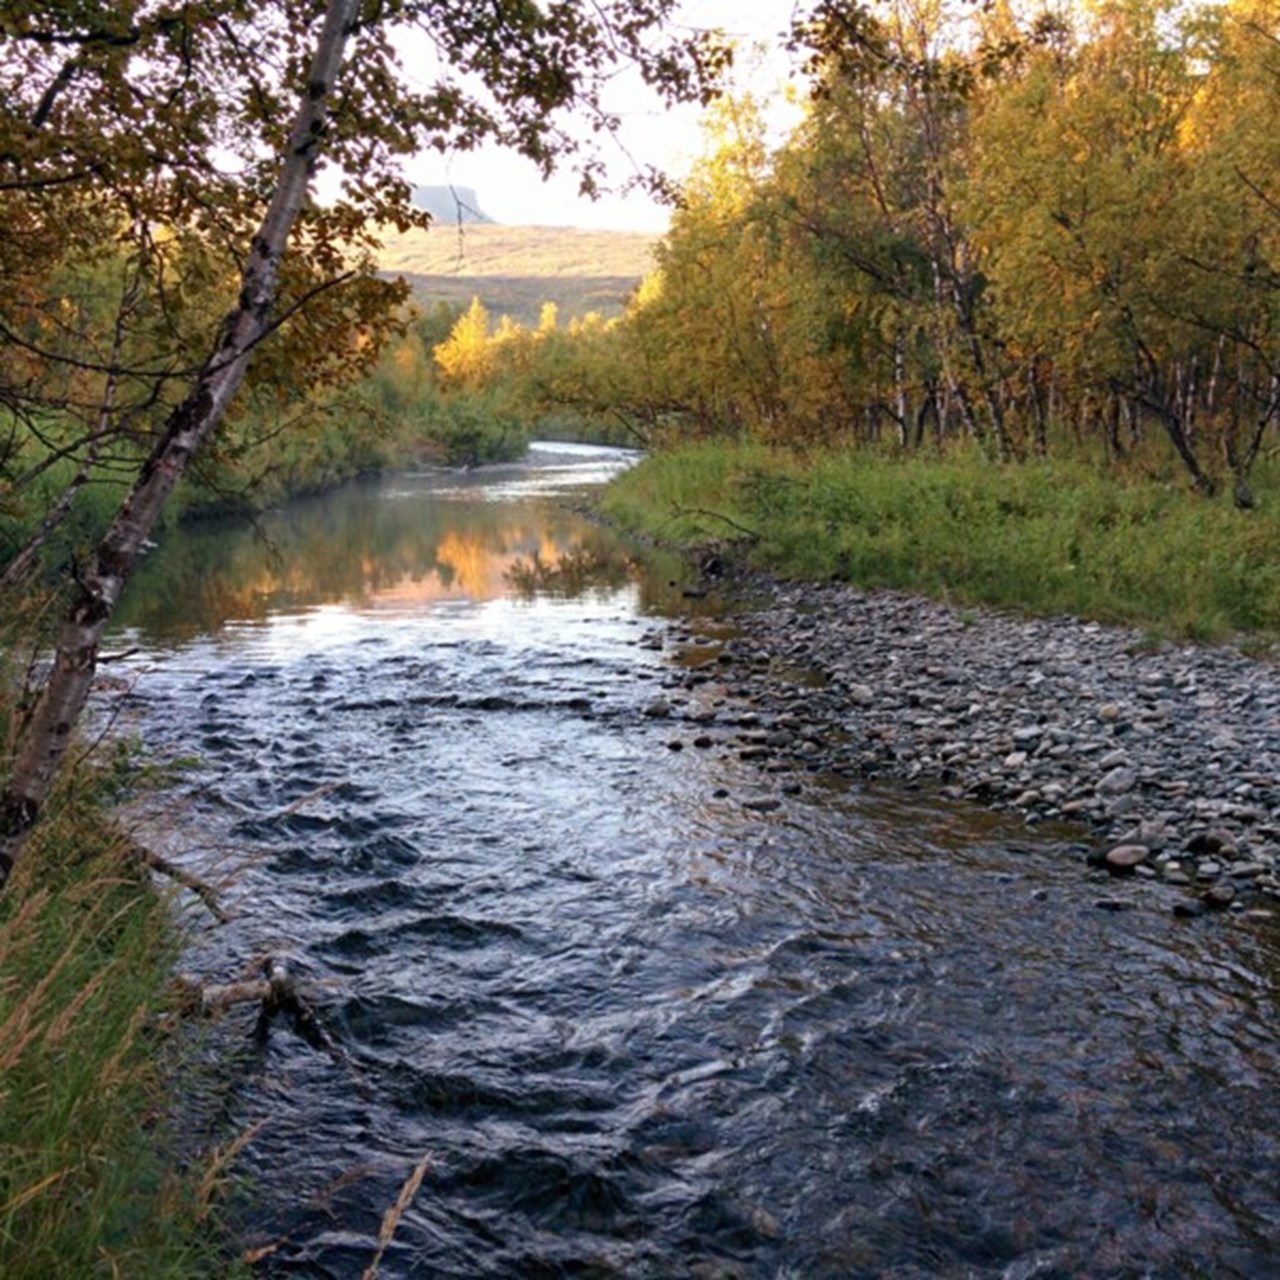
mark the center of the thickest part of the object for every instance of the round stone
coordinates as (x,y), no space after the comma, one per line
(1125,857)
(1221,895)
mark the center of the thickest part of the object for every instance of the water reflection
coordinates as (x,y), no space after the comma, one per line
(399,544)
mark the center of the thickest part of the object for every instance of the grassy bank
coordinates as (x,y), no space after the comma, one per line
(1044,538)
(87,1179)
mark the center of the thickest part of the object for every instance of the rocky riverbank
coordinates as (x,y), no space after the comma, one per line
(1168,757)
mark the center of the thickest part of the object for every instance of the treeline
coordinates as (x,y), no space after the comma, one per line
(479,387)
(1032,231)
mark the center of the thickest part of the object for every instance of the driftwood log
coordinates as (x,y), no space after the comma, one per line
(207,893)
(270,984)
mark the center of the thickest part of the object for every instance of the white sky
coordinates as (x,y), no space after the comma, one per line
(511,190)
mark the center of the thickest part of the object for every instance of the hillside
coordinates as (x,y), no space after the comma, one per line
(514,270)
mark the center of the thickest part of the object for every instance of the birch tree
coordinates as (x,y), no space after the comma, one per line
(129,128)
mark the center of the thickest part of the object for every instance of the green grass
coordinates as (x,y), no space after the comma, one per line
(1045,538)
(88,1185)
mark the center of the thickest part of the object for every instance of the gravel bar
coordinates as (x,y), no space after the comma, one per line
(1168,756)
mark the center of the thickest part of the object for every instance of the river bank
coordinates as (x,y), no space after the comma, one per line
(99,1174)
(1049,540)
(1167,756)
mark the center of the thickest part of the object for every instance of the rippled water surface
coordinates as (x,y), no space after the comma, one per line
(635,1027)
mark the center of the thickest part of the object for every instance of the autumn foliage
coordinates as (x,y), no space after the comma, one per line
(1032,230)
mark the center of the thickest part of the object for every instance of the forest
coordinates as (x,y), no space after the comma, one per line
(1029,233)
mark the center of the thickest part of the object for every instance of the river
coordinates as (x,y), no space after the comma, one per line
(624,1023)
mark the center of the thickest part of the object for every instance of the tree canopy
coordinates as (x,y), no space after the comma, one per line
(1015,227)
(157,161)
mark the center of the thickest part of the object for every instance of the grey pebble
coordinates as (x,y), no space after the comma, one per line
(1172,749)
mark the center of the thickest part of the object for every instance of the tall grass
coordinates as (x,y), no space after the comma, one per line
(1046,538)
(87,1179)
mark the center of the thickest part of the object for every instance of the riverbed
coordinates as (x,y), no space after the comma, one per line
(637,1006)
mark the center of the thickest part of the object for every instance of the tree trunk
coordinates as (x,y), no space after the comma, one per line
(1172,424)
(1211,392)
(1115,413)
(1038,396)
(45,738)
(900,408)
(1242,462)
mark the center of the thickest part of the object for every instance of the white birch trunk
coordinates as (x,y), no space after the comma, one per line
(45,737)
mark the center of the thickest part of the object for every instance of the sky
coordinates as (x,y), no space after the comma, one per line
(511,190)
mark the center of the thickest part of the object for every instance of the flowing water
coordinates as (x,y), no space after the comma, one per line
(624,1025)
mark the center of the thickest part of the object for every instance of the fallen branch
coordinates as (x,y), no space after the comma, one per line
(218,997)
(677,512)
(302,801)
(283,996)
(274,989)
(203,890)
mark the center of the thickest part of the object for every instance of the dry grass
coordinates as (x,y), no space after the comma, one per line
(87,1178)
(514,270)
(542,252)
(391,1219)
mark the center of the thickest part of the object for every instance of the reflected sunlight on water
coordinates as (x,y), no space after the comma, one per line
(394,545)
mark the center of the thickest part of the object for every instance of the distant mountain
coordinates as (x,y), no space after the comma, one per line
(451,204)
(514,270)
